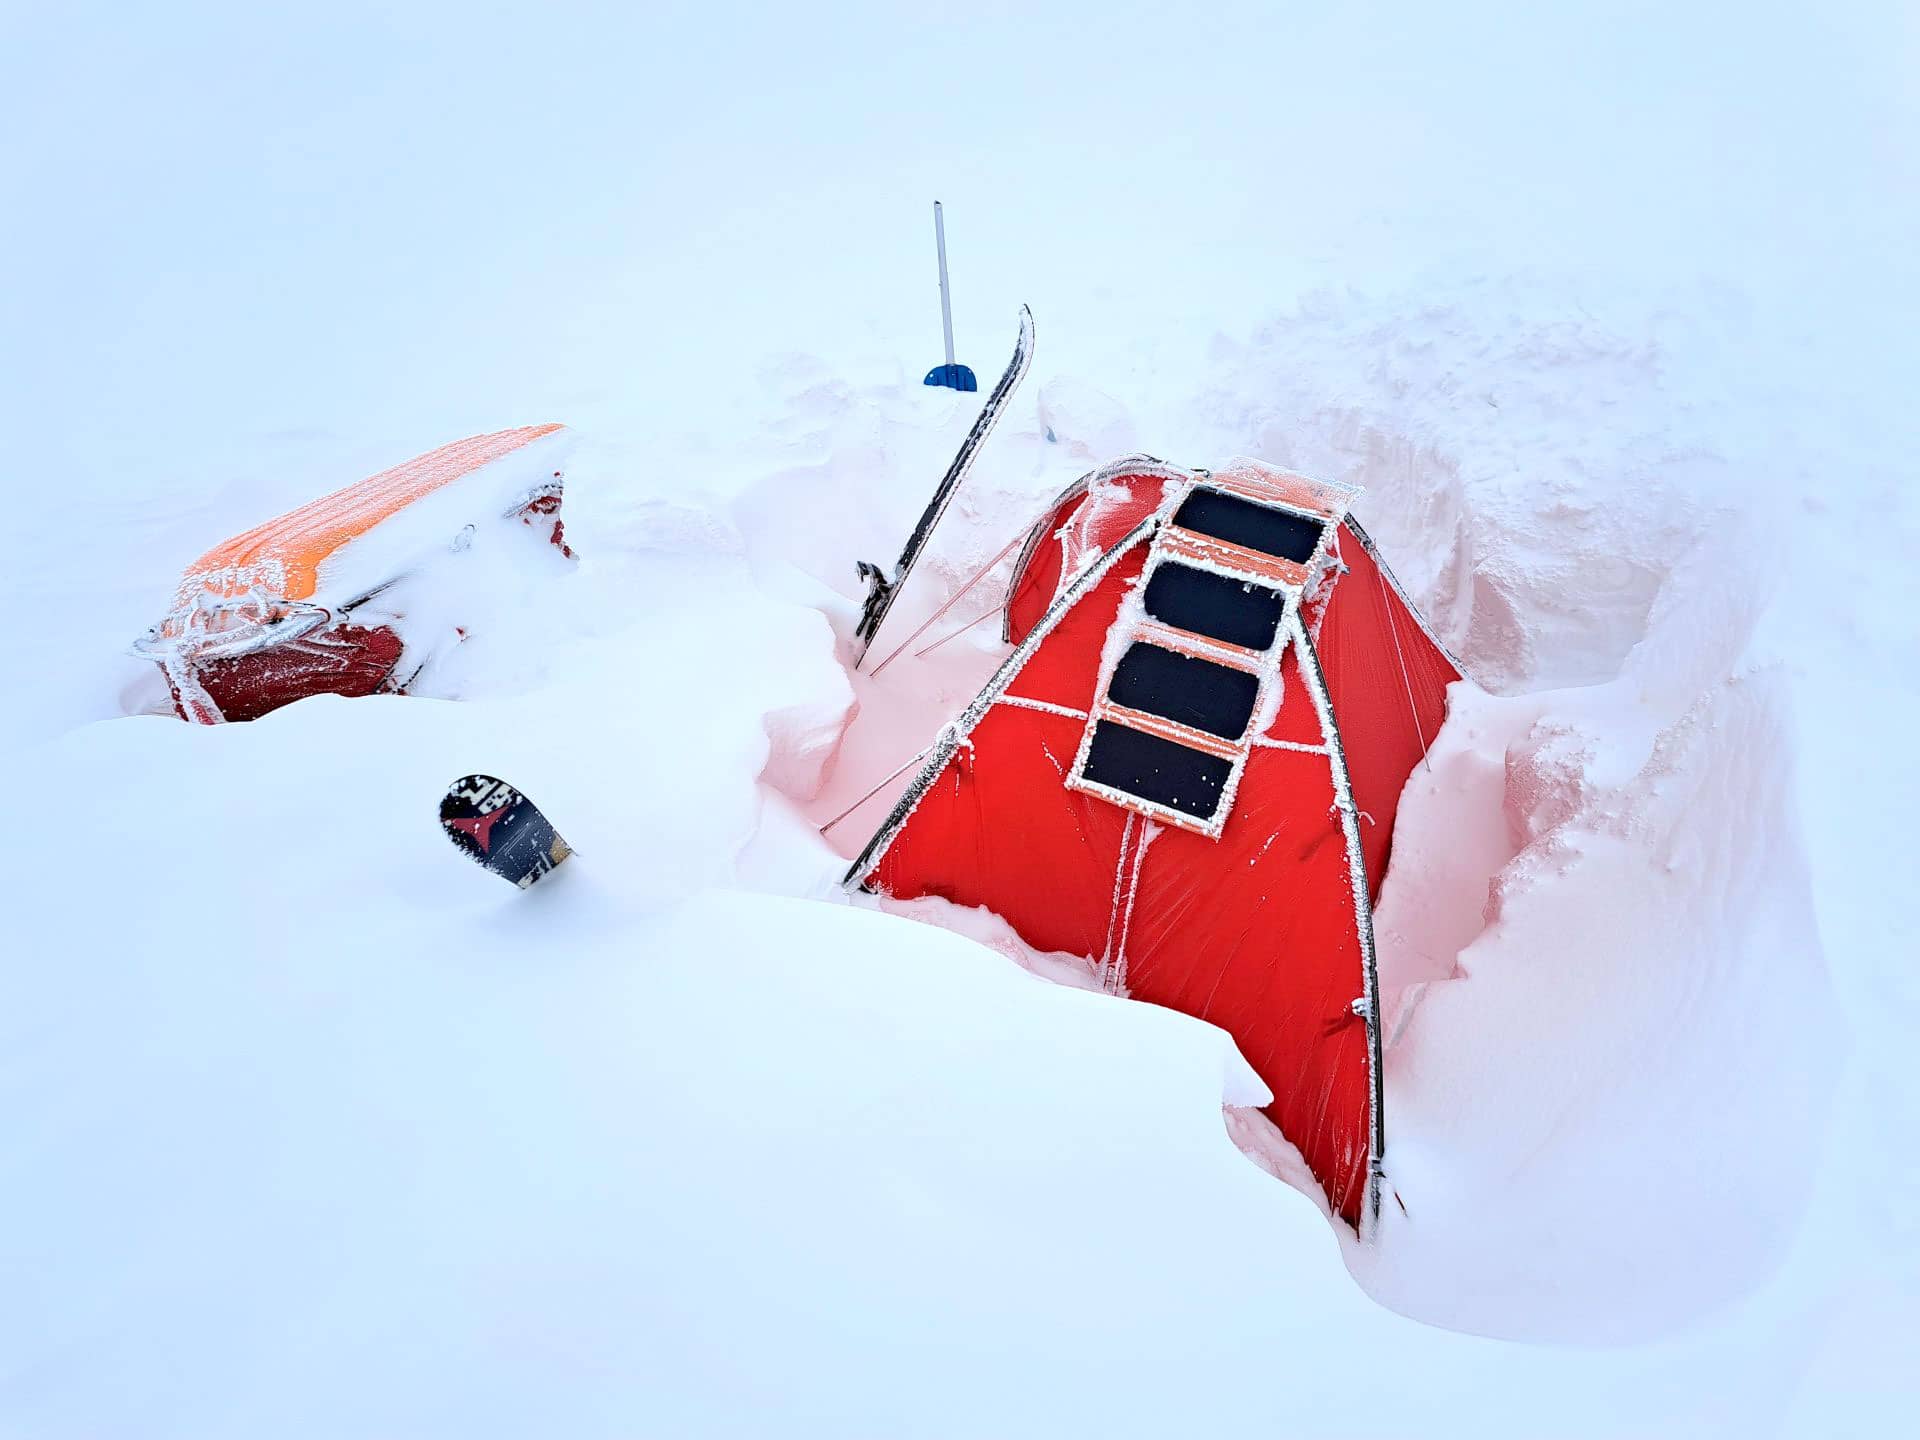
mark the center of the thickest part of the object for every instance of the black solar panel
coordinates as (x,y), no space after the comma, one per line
(1156,770)
(1215,698)
(1242,522)
(1216,606)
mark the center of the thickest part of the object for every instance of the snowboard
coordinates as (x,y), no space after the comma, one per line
(501,829)
(881,590)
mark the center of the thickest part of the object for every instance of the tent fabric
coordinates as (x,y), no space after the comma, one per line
(1080,526)
(1264,928)
(1387,678)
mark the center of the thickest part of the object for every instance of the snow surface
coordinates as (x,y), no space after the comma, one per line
(315,1129)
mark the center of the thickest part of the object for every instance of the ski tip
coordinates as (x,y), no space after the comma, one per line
(500,829)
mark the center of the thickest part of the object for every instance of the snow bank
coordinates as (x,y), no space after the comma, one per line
(1531,470)
(1637,1025)
(484,1166)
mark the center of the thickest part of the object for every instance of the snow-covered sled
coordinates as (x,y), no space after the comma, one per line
(354,593)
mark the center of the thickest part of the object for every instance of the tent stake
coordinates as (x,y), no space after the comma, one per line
(952,600)
(823,829)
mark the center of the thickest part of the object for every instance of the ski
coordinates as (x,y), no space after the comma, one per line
(501,829)
(882,591)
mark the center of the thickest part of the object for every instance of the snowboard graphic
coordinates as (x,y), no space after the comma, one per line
(501,828)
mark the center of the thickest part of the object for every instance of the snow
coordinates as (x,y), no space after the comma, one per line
(317,1129)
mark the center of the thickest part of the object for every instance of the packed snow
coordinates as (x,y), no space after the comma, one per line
(316,1128)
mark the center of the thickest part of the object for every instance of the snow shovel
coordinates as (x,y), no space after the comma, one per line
(954,377)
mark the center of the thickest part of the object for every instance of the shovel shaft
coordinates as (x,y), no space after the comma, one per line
(946,301)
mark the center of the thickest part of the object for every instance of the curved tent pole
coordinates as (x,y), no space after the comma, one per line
(1368,1005)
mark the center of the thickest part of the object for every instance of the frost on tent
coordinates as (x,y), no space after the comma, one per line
(1213,678)
(354,593)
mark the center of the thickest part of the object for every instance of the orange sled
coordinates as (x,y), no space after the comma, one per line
(347,594)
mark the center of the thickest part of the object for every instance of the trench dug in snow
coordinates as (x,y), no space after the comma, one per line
(1611,1037)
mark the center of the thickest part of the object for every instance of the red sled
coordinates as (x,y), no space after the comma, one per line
(1188,770)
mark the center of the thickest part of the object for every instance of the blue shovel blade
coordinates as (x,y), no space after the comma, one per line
(954,377)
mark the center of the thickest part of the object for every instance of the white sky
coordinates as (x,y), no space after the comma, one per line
(345,232)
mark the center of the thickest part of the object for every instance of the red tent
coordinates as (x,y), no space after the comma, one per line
(1188,769)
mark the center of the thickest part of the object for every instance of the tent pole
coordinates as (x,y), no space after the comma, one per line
(1368,1006)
